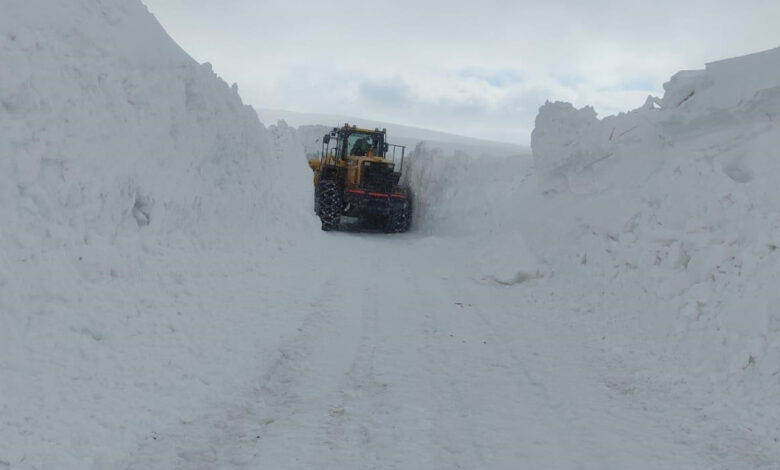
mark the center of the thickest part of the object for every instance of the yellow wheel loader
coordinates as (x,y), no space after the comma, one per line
(356,176)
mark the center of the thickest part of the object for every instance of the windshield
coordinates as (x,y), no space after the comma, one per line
(359,144)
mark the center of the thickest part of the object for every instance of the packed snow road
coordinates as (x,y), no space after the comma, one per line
(379,351)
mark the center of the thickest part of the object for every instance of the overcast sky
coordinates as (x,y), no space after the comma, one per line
(475,68)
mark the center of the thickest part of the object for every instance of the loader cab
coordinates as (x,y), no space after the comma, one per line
(347,144)
(350,141)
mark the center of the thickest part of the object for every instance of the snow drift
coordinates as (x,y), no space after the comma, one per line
(124,165)
(109,126)
(675,205)
(112,135)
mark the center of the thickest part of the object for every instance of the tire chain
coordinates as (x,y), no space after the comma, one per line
(330,205)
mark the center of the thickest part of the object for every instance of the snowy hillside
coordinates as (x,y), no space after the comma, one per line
(674,211)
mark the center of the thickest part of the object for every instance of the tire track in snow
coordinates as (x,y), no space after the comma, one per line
(500,422)
(456,432)
(379,420)
(232,436)
(563,443)
(597,429)
(350,428)
(445,373)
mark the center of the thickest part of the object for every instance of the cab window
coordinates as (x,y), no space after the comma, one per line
(359,144)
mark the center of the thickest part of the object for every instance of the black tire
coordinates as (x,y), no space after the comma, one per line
(330,204)
(400,219)
(374,222)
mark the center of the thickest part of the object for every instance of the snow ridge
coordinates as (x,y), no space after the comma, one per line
(675,205)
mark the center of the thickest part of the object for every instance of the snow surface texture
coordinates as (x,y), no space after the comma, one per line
(675,209)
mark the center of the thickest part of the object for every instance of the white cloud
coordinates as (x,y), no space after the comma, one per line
(474,68)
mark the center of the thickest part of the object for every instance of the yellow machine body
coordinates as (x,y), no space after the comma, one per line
(357,176)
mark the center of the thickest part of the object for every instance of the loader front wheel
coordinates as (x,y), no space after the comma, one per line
(400,219)
(330,204)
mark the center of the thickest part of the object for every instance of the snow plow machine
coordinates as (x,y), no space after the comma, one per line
(356,177)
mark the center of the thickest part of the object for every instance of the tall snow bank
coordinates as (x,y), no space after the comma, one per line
(135,186)
(675,205)
(310,137)
(473,199)
(108,128)
(724,84)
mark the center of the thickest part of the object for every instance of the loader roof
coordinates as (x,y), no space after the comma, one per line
(354,128)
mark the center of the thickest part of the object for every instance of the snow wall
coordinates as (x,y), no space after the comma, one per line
(112,136)
(481,202)
(672,212)
(124,166)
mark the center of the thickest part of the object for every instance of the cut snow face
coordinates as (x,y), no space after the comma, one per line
(676,206)
(109,126)
(121,159)
(479,199)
